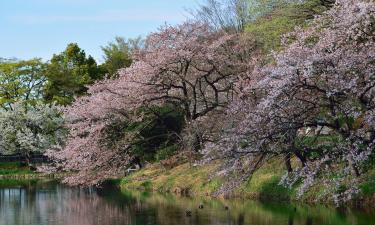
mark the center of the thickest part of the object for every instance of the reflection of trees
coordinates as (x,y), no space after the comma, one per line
(170,210)
(58,205)
(67,206)
(20,206)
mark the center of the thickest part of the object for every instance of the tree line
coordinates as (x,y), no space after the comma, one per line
(63,77)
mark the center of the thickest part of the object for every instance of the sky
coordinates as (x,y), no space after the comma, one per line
(40,28)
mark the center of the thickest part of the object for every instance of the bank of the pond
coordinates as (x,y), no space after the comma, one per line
(191,180)
(14,171)
(13,168)
(30,176)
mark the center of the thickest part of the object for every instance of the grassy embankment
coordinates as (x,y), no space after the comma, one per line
(201,181)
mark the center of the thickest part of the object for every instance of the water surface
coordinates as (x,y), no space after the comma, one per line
(49,203)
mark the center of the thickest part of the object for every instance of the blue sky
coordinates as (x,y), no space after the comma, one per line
(39,28)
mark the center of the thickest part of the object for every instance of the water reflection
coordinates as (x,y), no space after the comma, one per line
(54,204)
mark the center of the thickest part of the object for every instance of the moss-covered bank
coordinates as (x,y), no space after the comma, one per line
(191,180)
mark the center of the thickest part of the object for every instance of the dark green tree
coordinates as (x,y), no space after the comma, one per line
(118,54)
(69,73)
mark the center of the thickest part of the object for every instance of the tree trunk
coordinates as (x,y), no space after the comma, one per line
(287,163)
(301,157)
(25,160)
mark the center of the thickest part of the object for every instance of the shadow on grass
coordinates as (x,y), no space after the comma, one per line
(271,190)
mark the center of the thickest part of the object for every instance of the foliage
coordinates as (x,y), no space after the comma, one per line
(269,28)
(24,130)
(117,54)
(166,152)
(154,136)
(323,79)
(68,74)
(21,81)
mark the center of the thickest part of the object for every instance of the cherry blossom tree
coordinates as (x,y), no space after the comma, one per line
(324,79)
(188,66)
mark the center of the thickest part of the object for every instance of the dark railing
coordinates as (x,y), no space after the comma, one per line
(35,158)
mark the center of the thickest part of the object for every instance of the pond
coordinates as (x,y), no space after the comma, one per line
(50,203)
